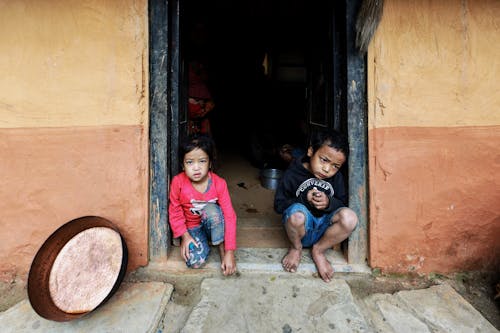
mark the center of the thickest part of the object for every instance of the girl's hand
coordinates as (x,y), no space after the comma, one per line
(185,241)
(228,264)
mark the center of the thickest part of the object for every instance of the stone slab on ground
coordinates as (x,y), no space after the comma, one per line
(444,310)
(135,307)
(275,304)
(435,309)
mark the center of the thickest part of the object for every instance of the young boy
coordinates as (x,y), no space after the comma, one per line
(311,198)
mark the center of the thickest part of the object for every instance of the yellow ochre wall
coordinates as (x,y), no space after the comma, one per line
(434,137)
(73,122)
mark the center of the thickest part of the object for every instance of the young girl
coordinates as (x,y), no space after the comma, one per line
(200,208)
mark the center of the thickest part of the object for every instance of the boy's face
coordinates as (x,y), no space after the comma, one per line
(196,165)
(325,162)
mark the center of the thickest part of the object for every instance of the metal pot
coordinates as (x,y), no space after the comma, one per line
(269,178)
(77,269)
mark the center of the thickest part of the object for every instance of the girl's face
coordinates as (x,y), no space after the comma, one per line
(196,165)
(325,162)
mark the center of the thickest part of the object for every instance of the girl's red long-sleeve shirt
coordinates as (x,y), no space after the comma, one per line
(186,202)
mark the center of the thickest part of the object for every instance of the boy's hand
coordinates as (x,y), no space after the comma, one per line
(317,199)
(228,264)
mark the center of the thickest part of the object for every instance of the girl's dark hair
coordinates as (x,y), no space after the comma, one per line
(198,141)
(330,137)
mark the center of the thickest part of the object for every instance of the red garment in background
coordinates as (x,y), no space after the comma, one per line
(198,122)
(200,100)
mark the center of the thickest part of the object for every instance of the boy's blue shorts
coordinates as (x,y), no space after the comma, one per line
(315,226)
(210,229)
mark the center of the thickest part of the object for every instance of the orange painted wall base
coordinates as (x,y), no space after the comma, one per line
(52,176)
(435,199)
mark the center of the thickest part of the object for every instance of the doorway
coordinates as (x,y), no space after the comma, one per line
(269,69)
(277,69)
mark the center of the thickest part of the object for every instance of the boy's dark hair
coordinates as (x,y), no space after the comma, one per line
(198,141)
(330,137)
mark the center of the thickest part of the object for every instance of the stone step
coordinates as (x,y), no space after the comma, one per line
(261,259)
(275,304)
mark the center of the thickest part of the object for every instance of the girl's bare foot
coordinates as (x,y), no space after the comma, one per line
(323,266)
(291,260)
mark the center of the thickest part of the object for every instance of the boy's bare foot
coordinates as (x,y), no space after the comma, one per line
(291,260)
(323,266)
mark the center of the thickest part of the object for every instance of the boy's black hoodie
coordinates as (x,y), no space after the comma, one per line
(297,181)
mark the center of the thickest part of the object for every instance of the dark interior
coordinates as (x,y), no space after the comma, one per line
(271,71)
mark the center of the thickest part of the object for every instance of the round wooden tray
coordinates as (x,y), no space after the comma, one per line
(77,269)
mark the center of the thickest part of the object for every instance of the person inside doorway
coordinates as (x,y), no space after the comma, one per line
(200,101)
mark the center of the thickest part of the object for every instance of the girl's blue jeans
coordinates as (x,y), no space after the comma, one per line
(211,229)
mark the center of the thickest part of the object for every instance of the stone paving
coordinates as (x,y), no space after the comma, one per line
(260,298)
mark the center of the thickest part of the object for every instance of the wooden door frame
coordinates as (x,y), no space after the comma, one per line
(357,131)
(164,125)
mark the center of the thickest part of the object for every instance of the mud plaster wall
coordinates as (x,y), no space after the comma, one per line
(434,133)
(73,122)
